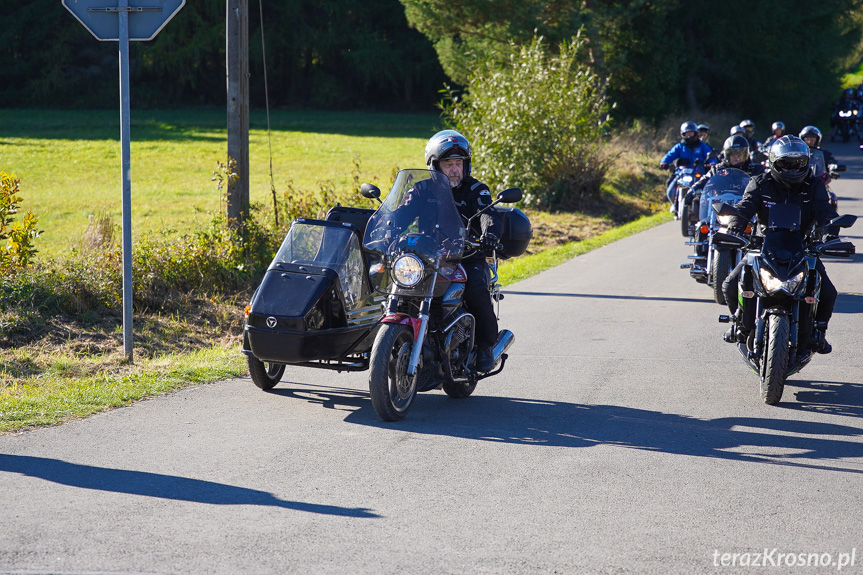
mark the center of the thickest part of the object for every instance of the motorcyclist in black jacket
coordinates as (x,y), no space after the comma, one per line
(788,181)
(735,154)
(449,152)
(812,136)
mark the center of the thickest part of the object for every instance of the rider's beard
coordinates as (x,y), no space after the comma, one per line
(454,179)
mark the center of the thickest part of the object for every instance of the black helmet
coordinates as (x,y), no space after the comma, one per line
(789,160)
(447,144)
(811,132)
(689,126)
(736,147)
(778,126)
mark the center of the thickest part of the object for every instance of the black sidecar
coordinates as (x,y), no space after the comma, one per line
(315,306)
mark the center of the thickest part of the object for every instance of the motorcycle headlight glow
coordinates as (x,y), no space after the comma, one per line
(724,220)
(772,284)
(408,270)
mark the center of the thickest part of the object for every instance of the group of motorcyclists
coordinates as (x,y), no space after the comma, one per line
(780,173)
(847,117)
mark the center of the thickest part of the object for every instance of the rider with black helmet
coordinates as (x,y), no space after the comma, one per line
(778,129)
(812,136)
(449,152)
(735,154)
(788,181)
(704,133)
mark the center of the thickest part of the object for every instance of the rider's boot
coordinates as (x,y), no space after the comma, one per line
(484,359)
(821,345)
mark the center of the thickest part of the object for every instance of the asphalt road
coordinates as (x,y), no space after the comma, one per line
(623,437)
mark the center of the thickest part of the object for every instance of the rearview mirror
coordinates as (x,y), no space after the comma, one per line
(724,209)
(727,240)
(370,191)
(510,196)
(845,221)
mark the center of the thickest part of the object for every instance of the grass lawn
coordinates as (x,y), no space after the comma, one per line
(69,161)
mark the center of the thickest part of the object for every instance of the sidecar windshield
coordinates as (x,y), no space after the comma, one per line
(327,245)
(420,215)
(726,181)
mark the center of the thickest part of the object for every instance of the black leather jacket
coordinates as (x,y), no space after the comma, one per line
(763,191)
(470,197)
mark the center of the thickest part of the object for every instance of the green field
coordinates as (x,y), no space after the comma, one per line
(69,161)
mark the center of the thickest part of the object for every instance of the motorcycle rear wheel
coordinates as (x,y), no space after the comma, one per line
(775,366)
(265,374)
(391,389)
(721,269)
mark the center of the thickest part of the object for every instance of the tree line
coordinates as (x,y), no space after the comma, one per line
(772,58)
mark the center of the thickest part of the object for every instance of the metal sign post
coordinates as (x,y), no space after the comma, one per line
(113,23)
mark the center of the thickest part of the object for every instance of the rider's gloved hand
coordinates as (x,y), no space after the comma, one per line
(663,166)
(488,243)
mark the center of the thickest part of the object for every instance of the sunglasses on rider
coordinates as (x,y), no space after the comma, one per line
(791,164)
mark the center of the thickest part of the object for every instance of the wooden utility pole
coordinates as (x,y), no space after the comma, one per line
(237,68)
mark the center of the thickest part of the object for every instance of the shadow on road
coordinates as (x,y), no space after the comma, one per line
(158,485)
(558,424)
(607,296)
(828,397)
(849,303)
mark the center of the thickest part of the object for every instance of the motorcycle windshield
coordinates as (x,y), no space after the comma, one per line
(727,181)
(418,215)
(817,163)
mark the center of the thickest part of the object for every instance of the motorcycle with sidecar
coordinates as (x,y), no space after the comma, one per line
(381,290)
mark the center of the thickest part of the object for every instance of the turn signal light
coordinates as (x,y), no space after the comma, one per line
(704,229)
(811,300)
(748,228)
(248,310)
(747,294)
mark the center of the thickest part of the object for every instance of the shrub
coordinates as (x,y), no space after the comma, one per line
(536,121)
(16,237)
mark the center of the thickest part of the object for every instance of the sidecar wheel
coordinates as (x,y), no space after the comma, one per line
(775,367)
(265,375)
(392,391)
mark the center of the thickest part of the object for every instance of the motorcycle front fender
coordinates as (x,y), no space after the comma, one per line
(404,319)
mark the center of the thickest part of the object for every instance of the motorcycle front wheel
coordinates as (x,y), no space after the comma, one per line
(721,268)
(391,389)
(684,219)
(265,375)
(775,361)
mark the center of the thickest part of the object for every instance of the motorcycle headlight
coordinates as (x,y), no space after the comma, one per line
(773,284)
(724,220)
(408,270)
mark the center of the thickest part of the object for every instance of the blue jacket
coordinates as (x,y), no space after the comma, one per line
(681,150)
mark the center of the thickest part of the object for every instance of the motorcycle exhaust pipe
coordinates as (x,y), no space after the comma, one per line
(504,339)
